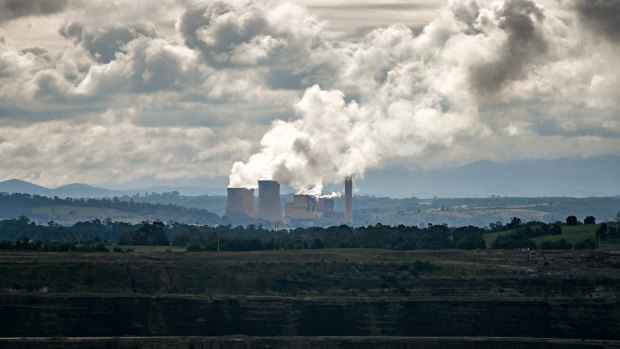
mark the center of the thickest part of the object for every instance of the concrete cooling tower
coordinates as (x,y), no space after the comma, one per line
(240,202)
(269,207)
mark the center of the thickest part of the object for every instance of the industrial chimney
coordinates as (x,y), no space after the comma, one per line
(240,202)
(348,200)
(269,207)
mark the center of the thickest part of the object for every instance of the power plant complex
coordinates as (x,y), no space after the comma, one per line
(303,211)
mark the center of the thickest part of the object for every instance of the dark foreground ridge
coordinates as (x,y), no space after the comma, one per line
(90,316)
(311,299)
(244,342)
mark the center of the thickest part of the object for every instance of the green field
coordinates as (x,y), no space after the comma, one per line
(573,235)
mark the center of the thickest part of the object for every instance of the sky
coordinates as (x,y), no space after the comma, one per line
(113,93)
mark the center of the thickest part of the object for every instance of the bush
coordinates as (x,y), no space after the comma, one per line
(556,245)
(601,232)
(587,244)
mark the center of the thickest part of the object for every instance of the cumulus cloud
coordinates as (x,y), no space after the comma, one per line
(245,32)
(104,43)
(285,40)
(147,65)
(519,25)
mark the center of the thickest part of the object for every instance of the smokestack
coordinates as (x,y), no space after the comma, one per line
(348,200)
(269,207)
(240,202)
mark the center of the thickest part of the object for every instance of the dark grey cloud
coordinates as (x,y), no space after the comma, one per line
(602,16)
(215,29)
(12,9)
(521,20)
(104,42)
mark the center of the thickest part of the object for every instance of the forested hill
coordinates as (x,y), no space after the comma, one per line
(43,209)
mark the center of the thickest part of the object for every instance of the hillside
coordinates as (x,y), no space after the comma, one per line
(41,209)
(571,234)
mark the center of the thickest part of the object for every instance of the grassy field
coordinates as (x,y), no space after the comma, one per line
(489,239)
(573,235)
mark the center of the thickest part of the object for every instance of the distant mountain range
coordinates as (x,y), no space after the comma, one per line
(577,177)
(80,190)
(596,176)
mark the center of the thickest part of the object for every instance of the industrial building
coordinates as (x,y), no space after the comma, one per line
(303,211)
(308,208)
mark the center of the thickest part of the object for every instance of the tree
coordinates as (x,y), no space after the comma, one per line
(181,239)
(151,234)
(589,220)
(601,233)
(556,245)
(555,229)
(571,221)
(515,222)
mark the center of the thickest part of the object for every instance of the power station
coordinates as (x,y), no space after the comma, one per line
(304,210)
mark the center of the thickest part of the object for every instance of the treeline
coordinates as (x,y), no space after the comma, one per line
(251,237)
(23,234)
(23,228)
(14,205)
(52,246)
(256,238)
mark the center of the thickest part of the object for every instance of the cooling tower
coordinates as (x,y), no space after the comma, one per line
(269,207)
(348,200)
(240,202)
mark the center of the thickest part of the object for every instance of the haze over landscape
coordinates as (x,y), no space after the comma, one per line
(128,95)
